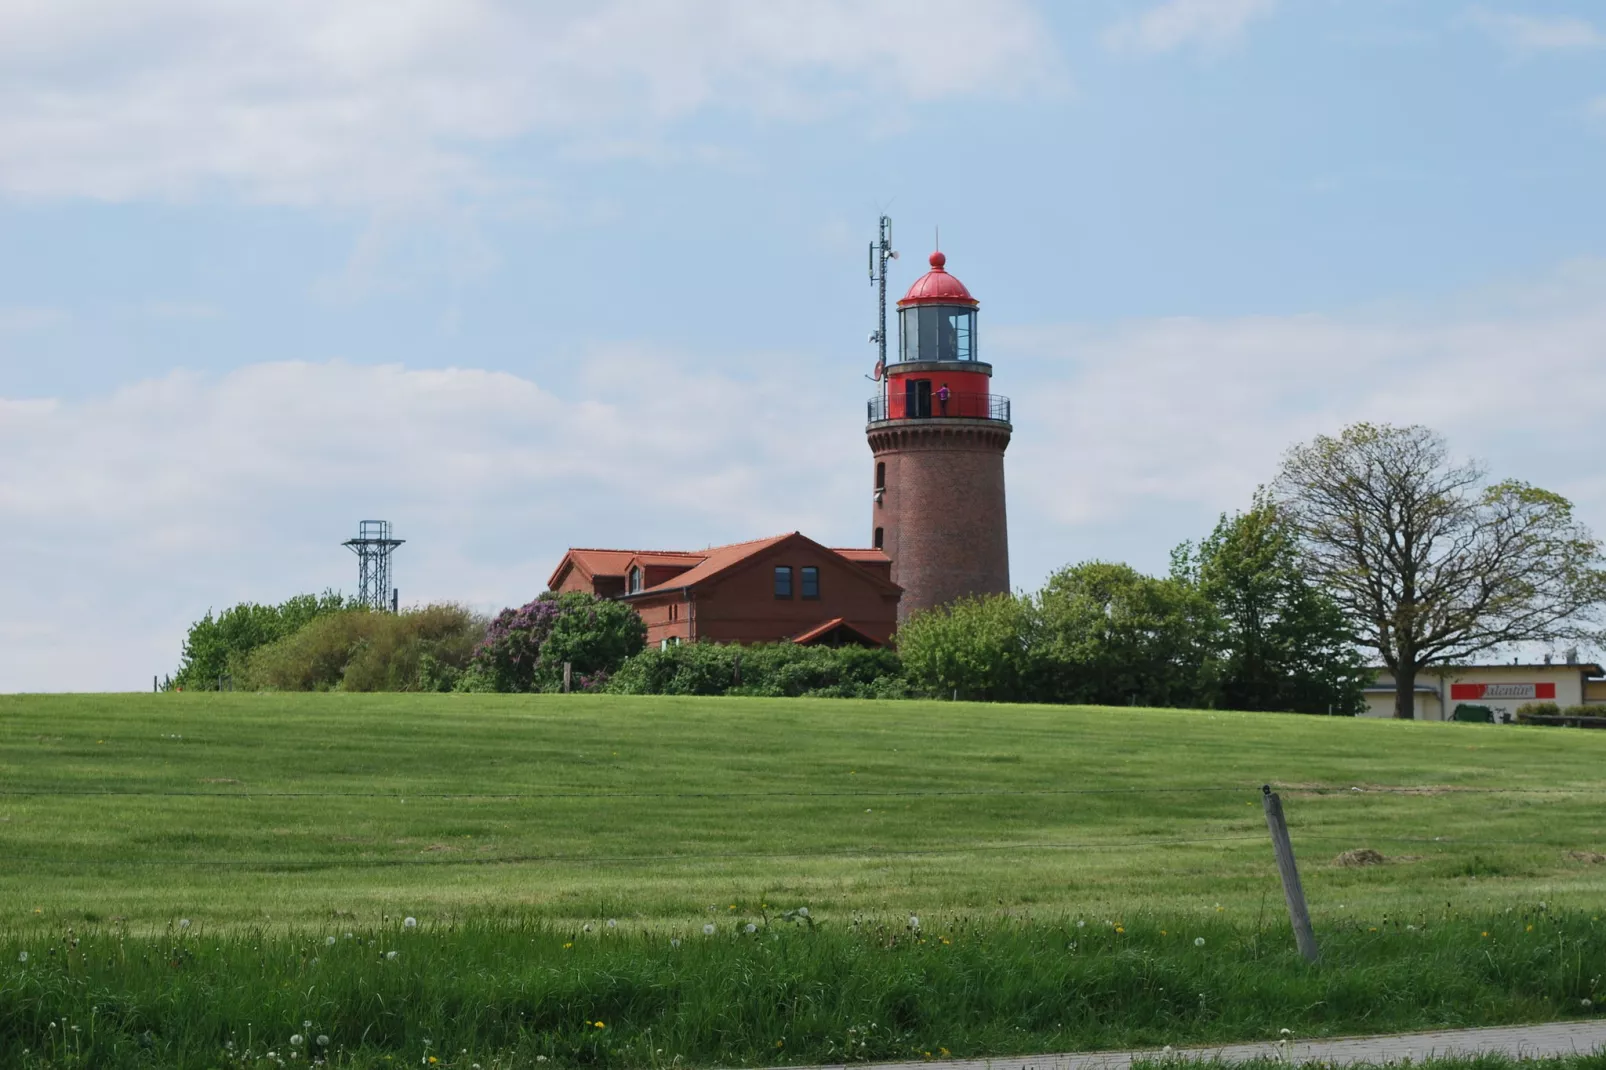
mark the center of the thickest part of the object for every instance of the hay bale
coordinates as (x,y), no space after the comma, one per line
(1360,856)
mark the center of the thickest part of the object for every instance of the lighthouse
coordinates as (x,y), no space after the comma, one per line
(938,434)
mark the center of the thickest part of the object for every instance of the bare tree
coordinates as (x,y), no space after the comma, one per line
(1429,562)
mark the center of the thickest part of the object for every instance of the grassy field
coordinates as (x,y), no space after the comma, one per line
(190,878)
(312,809)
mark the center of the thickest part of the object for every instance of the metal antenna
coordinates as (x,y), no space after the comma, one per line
(373,547)
(880,252)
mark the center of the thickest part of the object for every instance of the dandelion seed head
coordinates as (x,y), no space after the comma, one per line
(674,941)
(390,954)
(323,1040)
(409,923)
(612,924)
(708,930)
(184,923)
(329,941)
(802,912)
(22,956)
(914,921)
(295,1040)
(1198,941)
(752,928)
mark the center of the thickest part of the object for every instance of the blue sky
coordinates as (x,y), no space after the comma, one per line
(518,276)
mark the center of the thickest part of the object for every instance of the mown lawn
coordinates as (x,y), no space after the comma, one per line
(201,880)
(310,810)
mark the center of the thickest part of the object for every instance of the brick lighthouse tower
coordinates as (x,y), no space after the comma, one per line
(938,434)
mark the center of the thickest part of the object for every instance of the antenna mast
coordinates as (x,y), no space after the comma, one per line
(373,547)
(880,252)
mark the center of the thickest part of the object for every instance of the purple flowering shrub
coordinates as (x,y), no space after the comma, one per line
(524,649)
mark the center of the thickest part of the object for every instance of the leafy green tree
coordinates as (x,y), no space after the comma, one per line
(1109,635)
(424,649)
(1283,644)
(220,645)
(593,635)
(982,648)
(1429,562)
(525,647)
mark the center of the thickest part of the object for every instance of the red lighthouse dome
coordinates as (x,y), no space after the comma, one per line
(937,287)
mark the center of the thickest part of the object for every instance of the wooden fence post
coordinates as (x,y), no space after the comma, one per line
(1293,891)
(567,676)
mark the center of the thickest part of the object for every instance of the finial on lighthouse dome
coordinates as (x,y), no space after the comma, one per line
(937,287)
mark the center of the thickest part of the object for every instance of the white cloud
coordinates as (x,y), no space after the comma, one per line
(1178,24)
(1538,33)
(307,102)
(1134,437)
(127,515)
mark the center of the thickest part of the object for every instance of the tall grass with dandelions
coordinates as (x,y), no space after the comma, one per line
(763,989)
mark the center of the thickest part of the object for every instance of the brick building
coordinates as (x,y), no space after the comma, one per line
(787,587)
(938,436)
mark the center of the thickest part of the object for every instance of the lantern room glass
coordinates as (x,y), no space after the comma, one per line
(937,332)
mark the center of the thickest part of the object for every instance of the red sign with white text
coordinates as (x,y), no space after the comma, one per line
(1460,692)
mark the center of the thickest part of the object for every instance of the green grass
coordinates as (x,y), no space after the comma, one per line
(517,994)
(306,808)
(506,824)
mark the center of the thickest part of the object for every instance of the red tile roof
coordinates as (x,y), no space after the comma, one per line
(863,556)
(612,562)
(706,564)
(717,560)
(827,626)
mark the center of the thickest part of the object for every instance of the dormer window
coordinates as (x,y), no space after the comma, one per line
(635,579)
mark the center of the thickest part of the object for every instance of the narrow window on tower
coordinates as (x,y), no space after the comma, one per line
(811,581)
(961,330)
(880,537)
(881,475)
(783,581)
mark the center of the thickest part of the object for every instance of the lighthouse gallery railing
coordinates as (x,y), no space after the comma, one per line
(901,406)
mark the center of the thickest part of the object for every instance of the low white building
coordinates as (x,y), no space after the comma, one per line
(1501,688)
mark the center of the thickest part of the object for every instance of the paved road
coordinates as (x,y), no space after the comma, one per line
(1565,1038)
